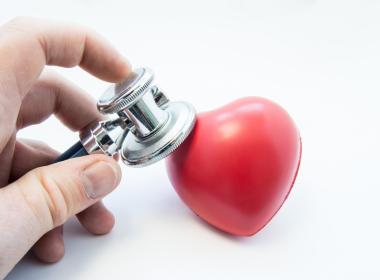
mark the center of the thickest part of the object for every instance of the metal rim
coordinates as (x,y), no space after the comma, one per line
(138,153)
(122,95)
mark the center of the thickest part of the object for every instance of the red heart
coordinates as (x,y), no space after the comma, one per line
(238,166)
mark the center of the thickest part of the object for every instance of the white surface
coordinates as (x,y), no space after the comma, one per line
(318,59)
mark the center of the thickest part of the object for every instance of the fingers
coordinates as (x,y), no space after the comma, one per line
(50,248)
(97,219)
(6,157)
(35,42)
(58,191)
(53,94)
(71,186)
(26,45)
(46,197)
(37,153)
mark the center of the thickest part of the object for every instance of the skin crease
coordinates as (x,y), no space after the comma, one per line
(34,206)
(239,164)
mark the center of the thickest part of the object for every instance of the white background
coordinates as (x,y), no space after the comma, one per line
(318,59)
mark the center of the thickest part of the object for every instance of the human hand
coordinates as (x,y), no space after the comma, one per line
(34,206)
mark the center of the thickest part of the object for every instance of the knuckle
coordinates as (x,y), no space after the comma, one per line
(61,197)
(53,197)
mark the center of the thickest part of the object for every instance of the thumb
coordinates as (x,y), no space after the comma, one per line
(58,191)
(46,197)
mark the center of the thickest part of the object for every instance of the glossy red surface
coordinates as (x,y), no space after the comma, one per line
(239,164)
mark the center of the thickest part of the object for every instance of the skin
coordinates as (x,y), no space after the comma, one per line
(37,198)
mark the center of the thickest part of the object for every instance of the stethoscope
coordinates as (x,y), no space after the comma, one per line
(142,124)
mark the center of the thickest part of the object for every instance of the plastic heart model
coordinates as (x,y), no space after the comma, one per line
(239,164)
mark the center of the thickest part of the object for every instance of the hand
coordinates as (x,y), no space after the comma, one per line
(34,207)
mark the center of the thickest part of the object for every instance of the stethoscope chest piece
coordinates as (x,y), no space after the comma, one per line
(155,126)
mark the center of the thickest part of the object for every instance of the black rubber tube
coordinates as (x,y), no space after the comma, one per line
(77,150)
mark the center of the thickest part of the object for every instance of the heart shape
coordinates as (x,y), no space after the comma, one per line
(239,164)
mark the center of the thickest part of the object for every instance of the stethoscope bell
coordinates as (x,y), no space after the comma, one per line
(152,126)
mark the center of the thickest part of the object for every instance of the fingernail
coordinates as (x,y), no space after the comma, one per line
(100,179)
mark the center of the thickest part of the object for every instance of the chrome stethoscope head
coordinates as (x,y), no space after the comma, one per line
(144,125)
